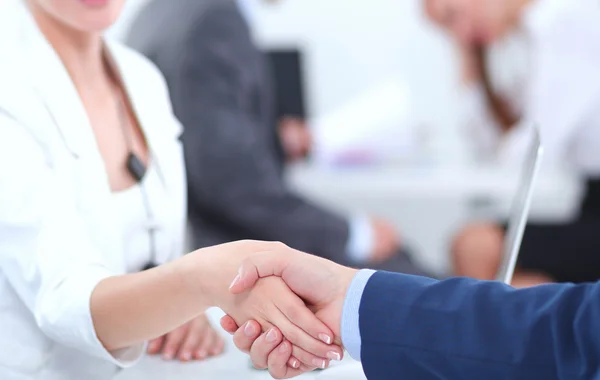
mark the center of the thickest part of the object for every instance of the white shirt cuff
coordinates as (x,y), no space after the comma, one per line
(350,324)
(71,324)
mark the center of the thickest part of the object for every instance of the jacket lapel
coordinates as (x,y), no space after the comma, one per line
(55,89)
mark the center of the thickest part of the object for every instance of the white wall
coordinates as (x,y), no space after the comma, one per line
(354,45)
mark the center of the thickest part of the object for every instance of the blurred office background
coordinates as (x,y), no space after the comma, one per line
(381,90)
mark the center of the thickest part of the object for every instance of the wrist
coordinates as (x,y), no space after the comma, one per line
(345,278)
(195,273)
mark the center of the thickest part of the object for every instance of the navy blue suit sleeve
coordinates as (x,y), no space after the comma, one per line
(417,328)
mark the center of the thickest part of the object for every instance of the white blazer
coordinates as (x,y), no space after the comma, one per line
(57,238)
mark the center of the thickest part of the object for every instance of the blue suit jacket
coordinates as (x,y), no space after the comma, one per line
(419,329)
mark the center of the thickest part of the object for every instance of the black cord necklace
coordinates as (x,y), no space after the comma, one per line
(137,169)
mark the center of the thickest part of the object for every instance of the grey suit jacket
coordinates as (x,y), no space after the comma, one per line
(222,92)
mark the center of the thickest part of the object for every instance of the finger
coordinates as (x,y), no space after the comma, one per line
(172,342)
(228,324)
(192,341)
(213,345)
(296,364)
(245,336)
(218,346)
(202,349)
(301,339)
(296,312)
(307,359)
(155,345)
(277,362)
(258,266)
(263,346)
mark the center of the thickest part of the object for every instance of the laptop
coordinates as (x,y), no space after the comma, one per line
(520,209)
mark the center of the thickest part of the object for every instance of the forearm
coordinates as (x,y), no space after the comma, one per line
(136,307)
(469,329)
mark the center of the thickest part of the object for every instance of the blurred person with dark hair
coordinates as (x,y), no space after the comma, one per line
(223,92)
(552,81)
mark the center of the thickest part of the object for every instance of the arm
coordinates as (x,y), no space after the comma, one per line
(60,275)
(232,170)
(467,329)
(79,301)
(413,327)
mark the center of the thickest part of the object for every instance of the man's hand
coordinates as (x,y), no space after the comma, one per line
(385,240)
(321,283)
(270,301)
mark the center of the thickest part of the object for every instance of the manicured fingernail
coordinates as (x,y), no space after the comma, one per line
(325,338)
(202,354)
(295,363)
(186,356)
(283,348)
(333,356)
(320,363)
(235,281)
(167,356)
(271,336)
(249,330)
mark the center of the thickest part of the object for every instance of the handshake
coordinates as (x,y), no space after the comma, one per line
(284,307)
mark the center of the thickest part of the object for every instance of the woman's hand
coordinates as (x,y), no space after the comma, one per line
(196,340)
(271,303)
(267,350)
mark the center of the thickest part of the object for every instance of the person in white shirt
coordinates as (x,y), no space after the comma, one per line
(92,210)
(532,61)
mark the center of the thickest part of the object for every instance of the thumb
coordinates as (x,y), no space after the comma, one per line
(256,267)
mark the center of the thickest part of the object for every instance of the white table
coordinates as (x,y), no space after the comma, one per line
(232,365)
(428,204)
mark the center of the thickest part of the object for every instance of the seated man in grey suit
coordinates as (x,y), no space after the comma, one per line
(223,93)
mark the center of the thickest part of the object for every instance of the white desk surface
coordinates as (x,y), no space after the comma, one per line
(232,365)
(429,204)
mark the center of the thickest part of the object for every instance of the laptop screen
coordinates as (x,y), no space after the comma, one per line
(520,209)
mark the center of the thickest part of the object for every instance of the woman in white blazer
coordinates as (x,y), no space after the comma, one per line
(92,210)
(532,61)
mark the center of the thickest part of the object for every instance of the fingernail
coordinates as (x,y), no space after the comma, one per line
(271,336)
(186,356)
(294,363)
(235,281)
(320,363)
(167,356)
(202,354)
(283,348)
(334,356)
(249,330)
(325,338)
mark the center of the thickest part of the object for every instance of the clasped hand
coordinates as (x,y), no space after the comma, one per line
(300,320)
(321,286)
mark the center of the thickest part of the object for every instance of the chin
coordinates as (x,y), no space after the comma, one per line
(94,23)
(83,15)
(96,18)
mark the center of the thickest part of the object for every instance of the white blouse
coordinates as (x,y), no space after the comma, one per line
(62,230)
(550,68)
(138,212)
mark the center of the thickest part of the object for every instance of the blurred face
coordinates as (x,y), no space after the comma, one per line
(81,15)
(475,21)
